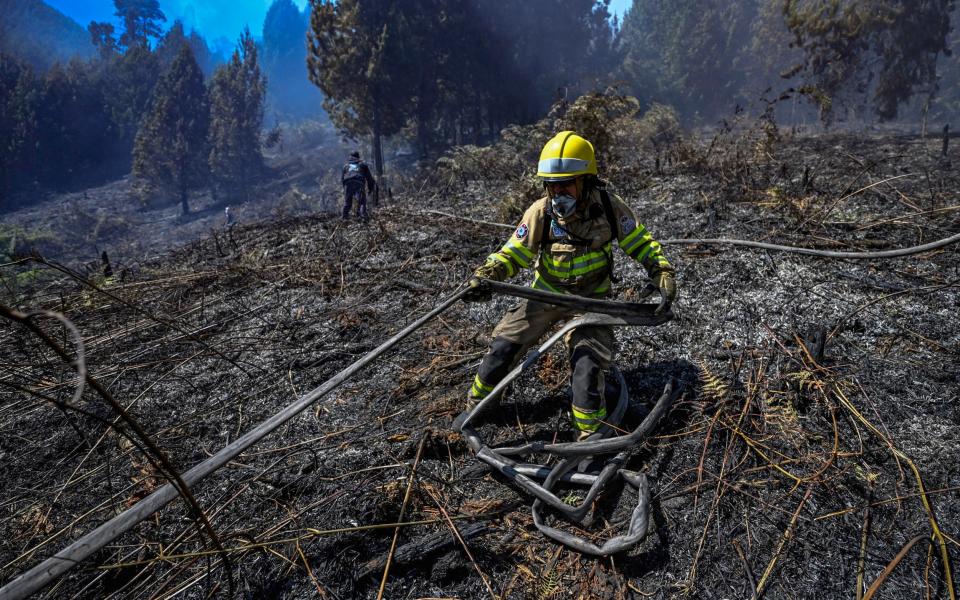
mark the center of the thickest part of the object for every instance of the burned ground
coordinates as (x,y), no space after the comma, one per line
(816,395)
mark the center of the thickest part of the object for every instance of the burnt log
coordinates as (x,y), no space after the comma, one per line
(419,549)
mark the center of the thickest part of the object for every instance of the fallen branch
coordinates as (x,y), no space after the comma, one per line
(403,510)
(893,565)
(787,536)
(424,547)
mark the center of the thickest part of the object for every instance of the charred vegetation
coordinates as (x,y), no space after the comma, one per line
(812,452)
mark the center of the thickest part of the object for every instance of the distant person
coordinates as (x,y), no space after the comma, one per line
(356,173)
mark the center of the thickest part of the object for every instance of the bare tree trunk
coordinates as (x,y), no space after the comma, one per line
(377,150)
(477,124)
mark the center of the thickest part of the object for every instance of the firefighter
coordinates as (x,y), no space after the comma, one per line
(567,237)
(356,173)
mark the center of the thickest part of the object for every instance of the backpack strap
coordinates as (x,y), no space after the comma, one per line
(547,218)
(608,209)
(612,220)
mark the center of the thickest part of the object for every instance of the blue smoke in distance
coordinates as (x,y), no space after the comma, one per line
(219,21)
(216,20)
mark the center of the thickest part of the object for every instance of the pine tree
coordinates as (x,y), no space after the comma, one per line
(236,117)
(127,87)
(168,48)
(453,67)
(169,157)
(101,35)
(358,58)
(688,53)
(873,52)
(141,21)
(19,102)
(290,94)
(72,140)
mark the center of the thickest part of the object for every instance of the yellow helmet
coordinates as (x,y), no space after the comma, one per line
(566,155)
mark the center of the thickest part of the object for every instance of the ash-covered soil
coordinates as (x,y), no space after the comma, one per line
(788,468)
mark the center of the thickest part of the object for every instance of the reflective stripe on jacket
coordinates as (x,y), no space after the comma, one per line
(581,268)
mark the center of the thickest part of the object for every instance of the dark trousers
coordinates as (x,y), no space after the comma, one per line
(355,191)
(591,350)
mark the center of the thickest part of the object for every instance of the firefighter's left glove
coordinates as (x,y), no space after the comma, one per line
(667,286)
(478,292)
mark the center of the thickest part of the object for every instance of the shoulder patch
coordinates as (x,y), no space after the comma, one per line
(627,224)
(522,231)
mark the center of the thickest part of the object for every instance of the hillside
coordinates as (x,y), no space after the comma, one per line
(815,435)
(41,35)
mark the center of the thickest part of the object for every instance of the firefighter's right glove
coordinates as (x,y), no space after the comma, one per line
(478,292)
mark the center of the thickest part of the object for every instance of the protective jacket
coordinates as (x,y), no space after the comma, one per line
(575,255)
(355,172)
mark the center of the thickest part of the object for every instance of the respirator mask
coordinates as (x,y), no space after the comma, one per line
(563,205)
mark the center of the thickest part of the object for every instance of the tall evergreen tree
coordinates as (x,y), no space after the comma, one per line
(170,155)
(19,102)
(168,48)
(141,21)
(358,59)
(876,52)
(127,86)
(289,93)
(236,117)
(101,35)
(72,139)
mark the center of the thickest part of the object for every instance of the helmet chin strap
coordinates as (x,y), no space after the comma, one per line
(582,193)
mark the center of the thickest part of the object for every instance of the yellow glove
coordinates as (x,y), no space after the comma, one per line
(664,283)
(478,291)
(667,286)
(488,270)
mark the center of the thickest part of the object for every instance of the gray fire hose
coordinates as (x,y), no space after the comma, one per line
(572,454)
(50,569)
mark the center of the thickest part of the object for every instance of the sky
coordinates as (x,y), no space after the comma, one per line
(213,19)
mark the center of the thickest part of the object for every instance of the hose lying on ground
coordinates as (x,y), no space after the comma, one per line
(572,454)
(47,571)
(825,253)
(909,251)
